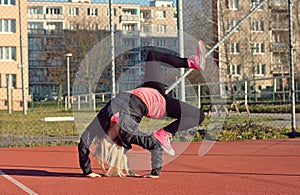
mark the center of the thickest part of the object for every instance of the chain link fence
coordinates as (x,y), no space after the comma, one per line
(60,58)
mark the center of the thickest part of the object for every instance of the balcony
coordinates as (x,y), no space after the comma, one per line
(279,25)
(35,32)
(129,18)
(45,16)
(278,4)
(146,16)
(146,20)
(280,68)
(36,16)
(130,33)
(279,47)
(54,17)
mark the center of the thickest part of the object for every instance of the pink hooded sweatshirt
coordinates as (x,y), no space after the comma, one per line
(154,101)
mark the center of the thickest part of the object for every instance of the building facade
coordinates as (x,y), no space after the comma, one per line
(51,23)
(13,53)
(258,49)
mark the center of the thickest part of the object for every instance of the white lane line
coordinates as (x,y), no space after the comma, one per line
(17,183)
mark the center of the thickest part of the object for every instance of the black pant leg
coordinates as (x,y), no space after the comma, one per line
(84,160)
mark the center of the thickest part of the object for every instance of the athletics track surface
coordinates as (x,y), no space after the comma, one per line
(243,167)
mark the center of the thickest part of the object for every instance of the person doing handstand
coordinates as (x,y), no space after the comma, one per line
(150,100)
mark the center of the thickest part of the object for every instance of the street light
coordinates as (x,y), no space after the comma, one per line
(68,55)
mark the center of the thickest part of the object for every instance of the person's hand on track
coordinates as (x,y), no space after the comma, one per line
(93,175)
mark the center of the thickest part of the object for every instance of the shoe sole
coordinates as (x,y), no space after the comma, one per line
(202,53)
(168,151)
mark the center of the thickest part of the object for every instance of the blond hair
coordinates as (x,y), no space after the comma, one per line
(111,157)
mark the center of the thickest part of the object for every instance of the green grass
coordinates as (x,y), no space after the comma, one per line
(20,126)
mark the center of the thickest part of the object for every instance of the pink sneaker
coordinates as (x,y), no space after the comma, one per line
(163,138)
(197,61)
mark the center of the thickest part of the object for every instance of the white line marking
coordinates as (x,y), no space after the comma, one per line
(17,183)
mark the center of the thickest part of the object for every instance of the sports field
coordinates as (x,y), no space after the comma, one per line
(233,167)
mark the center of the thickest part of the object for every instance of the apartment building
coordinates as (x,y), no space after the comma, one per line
(13,52)
(50,24)
(258,49)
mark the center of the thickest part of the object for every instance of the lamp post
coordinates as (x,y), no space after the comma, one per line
(68,55)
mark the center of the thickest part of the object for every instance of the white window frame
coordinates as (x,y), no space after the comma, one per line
(162,28)
(161,14)
(7,26)
(13,80)
(71,26)
(257,26)
(8,2)
(54,11)
(235,70)
(230,24)
(8,54)
(232,4)
(260,69)
(234,48)
(35,10)
(73,11)
(94,26)
(146,28)
(161,42)
(92,11)
(129,27)
(258,48)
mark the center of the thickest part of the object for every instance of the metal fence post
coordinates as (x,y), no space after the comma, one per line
(292,75)
(199,95)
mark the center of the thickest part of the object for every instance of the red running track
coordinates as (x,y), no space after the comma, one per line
(243,167)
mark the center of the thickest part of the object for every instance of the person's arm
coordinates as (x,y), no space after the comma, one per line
(84,159)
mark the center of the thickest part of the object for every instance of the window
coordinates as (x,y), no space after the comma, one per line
(146,28)
(7,2)
(35,25)
(35,10)
(13,80)
(94,27)
(175,15)
(161,14)
(258,48)
(234,69)
(234,48)
(53,11)
(162,28)
(232,4)
(73,11)
(230,24)
(175,43)
(7,26)
(161,43)
(254,3)
(257,26)
(129,27)
(114,12)
(92,11)
(259,70)
(129,42)
(7,53)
